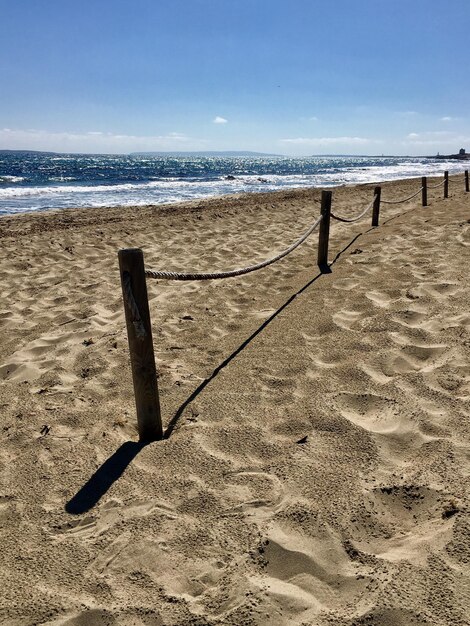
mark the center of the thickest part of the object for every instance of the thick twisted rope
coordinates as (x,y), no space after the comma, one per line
(404,199)
(454,182)
(438,184)
(231,273)
(132,304)
(354,219)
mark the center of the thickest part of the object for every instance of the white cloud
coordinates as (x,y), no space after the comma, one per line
(219,120)
(432,134)
(94,141)
(447,118)
(447,140)
(314,118)
(328,141)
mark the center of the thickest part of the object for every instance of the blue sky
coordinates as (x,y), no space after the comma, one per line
(292,77)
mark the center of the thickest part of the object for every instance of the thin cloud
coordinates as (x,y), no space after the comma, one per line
(447,118)
(432,134)
(93,141)
(328,141)
(219,120)
(442,138)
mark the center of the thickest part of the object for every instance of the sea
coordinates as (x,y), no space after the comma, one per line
(41,181)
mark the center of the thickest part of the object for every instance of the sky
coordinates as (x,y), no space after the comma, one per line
(293,77)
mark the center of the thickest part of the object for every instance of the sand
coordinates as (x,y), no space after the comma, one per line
(316,468)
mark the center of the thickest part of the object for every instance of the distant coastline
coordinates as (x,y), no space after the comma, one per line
(228,154)
(461,156)
(207,153)
(457,157)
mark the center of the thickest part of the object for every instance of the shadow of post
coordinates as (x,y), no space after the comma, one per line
(112,469)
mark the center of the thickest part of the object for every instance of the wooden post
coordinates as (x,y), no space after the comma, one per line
(131,265)
(466,181)
(424,192)
(324,231)
(376,209)
(446,184)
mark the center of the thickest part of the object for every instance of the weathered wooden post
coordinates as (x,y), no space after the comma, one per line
(424,191)
(446,184)
(376,208)
(324,231)
(139,334)
(466,181)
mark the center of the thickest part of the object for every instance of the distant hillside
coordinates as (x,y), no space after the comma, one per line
(20,152)
(210,153)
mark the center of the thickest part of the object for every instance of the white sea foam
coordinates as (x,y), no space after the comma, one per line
(16,198)
(11,179)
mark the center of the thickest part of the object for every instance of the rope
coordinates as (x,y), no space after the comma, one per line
(354,219)
(231,273)
(132,304)
(404,199)
(438,184)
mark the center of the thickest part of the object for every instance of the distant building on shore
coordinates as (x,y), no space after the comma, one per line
(462,155)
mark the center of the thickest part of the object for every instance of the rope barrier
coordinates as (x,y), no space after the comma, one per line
(137,321)
(354,219)
(232,273)
(132,268)
(404,199)
(438,184)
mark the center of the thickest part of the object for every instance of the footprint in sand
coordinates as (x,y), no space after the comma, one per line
(410,318)
(376,414)
(346,319)
(346,284)
(154,559)
(416,318)
(279,390)
(306,575)
(42,355)
(261,495)
(379,298)
(435,290)
(396,433)
(464,235)
(454,384)
(91,526)
(387,616)
(417,358)
(103,617)
(413,354)
(403,522)
(440,290)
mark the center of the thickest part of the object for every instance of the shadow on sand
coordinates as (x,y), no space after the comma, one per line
(103,478)
(113,468)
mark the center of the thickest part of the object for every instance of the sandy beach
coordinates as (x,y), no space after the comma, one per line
(316,468)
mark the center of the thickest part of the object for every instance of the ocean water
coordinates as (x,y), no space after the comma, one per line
(36,182)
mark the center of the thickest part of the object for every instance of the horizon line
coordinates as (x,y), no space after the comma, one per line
(227,153)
